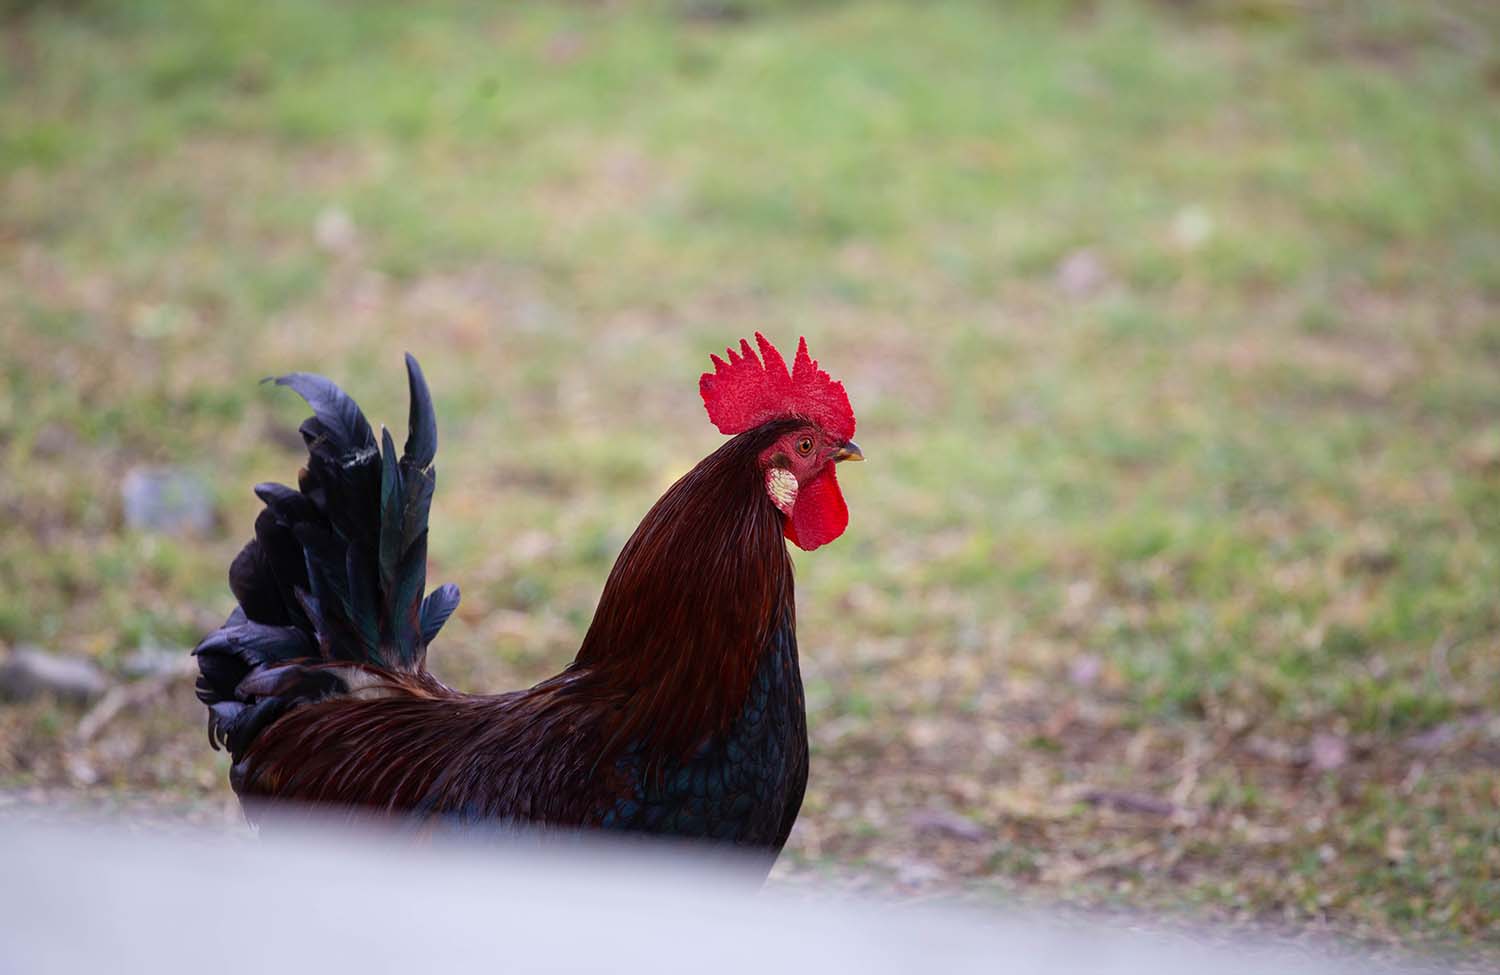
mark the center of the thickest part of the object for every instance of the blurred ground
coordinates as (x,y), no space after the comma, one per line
(1172,329)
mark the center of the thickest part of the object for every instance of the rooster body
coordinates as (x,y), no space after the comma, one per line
(683,712)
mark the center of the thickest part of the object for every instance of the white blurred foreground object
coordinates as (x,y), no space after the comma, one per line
(88,898)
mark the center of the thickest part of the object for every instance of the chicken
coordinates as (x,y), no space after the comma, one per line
(682,714)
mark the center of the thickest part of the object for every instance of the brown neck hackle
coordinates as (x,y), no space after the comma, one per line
(691,602)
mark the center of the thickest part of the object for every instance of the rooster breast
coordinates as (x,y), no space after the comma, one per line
(743,787)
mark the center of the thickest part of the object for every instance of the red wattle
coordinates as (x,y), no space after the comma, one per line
(820,514)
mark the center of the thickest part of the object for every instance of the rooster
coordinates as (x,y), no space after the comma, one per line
(682,714)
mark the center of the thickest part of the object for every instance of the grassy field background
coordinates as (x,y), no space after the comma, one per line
(1171,583)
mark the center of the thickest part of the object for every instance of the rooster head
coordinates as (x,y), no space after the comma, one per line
(747,392)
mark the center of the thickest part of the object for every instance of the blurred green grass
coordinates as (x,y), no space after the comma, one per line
(1172,329)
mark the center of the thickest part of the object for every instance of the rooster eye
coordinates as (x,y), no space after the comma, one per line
(804,446)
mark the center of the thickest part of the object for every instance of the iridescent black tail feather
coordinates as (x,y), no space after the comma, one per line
(336,571)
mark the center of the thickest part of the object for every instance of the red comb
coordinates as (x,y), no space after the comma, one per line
(742,393)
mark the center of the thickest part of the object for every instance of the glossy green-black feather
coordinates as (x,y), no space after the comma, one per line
(337,568)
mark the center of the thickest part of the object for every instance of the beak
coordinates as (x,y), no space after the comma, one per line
(849,451)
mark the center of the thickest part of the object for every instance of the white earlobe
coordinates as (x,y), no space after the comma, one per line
(781,485)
